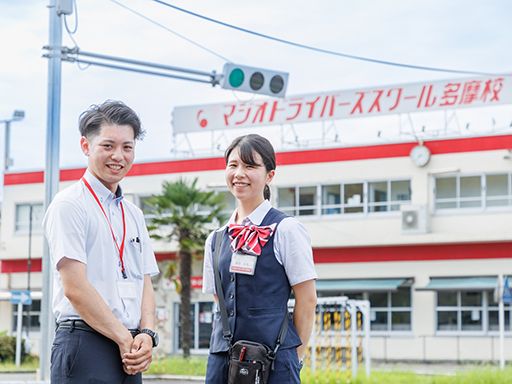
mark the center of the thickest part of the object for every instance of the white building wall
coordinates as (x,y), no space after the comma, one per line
(376,229)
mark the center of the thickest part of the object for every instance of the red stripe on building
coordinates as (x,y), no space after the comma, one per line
(178,166)
(423,252)
(161,256)
(19,265)
(417,252)
(473,144)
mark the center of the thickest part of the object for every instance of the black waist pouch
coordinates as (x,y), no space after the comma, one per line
(249,362)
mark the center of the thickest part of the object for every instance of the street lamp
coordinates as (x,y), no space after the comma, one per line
(17,115)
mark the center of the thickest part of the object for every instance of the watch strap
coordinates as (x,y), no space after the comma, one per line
(151,333)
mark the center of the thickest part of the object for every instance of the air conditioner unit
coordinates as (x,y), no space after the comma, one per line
(414,219)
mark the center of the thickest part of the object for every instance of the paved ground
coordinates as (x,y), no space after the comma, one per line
(30,378)
(426,369)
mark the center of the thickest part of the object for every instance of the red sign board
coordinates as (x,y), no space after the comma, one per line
(196,282)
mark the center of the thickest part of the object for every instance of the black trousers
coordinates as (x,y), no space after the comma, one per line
(85,357)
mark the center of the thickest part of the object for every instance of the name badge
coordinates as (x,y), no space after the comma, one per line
(127,289)
(241,263)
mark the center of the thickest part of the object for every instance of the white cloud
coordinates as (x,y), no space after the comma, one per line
(456,34)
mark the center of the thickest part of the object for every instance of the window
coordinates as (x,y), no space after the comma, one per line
(498,190)
(469,311)
(479,191)
(202,319)
(459,192)
(301,201)
(353,198)
(31,314)
(331,199)
(286,200)
(144,204)
(470,191)
(390,311)
(446,192)
(494,318)
(146,208)
(307,201)
(378,196)
(23,216)
(400,193)
(334,199)
(388,195)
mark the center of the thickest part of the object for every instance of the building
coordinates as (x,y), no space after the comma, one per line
(423,240)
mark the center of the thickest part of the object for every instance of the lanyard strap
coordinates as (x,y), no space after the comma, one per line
(120,248)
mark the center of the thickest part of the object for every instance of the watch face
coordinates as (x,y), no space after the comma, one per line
(420,155)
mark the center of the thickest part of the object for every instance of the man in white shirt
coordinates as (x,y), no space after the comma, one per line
(103,261)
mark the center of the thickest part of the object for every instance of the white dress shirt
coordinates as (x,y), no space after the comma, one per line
(77,229)
(292,248)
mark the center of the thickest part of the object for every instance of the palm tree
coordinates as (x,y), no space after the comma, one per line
(184,213)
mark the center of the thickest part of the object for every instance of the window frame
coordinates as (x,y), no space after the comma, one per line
(503,197)
(389,309)
(485,307)
(32,314)
(483,198)
(392,207)
(195,328)
(37,228)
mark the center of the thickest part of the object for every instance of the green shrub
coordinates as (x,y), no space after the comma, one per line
(8,348)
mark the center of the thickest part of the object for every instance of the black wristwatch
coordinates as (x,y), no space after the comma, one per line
(153,334)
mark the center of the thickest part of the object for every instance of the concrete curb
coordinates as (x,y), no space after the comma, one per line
(199,379)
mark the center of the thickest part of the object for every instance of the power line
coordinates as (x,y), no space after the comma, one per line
(171,31)
(321,50)
(71,32)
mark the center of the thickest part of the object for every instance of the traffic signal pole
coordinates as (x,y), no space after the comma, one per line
(51,179)
(75,55)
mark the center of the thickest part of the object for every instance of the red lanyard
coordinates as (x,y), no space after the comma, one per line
(119,248)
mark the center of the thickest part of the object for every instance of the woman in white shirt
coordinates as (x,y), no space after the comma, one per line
(264,255)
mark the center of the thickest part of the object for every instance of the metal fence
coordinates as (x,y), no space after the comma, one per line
(340,338)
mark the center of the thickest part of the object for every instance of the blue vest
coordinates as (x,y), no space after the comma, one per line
(256,305)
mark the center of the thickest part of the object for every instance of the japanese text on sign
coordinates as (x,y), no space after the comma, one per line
(367,102)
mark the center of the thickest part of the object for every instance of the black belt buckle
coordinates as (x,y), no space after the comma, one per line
(82,325)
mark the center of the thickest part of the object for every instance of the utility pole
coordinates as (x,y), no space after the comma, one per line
(51,174)
(29,266)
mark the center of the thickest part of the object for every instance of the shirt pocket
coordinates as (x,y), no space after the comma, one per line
(133,262)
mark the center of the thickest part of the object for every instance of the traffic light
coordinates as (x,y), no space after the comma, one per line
(254,80)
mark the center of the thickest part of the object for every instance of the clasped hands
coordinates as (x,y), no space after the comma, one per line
(136,355)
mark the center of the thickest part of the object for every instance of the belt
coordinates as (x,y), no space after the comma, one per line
(83,326)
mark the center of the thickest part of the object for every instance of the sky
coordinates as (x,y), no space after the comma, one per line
(471,35)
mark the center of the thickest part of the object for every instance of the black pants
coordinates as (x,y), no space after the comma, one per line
(85,357)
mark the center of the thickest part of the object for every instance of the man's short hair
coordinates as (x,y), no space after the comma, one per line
(109,112)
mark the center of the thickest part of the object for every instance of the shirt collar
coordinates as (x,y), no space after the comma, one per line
(256,216)
(103,193)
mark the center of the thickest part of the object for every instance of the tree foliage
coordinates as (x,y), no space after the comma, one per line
(186,214)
